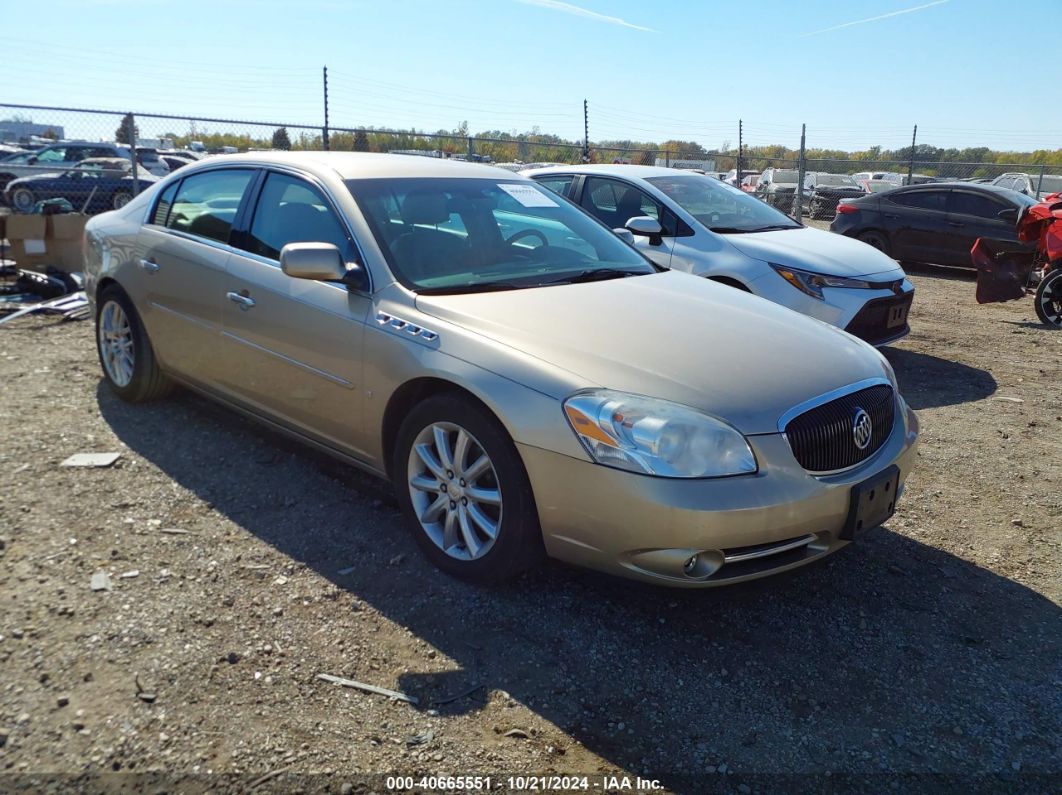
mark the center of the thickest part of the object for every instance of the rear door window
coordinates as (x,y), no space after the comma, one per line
(615,202)
(922,199)
(205,204)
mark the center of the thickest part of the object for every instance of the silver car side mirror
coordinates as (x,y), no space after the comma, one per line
(625,235)
(645,226)
(320,261)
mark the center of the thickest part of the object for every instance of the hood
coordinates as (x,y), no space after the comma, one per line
(674,336)
(818,251)
(36,176)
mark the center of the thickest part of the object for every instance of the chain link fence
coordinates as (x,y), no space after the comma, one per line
(92,161)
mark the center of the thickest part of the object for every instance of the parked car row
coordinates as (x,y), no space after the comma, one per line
(59,171)
(529,382)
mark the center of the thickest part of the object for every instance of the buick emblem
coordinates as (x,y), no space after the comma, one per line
(862,428)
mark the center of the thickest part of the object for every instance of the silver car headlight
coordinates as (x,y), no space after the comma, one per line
(656,437)
(812,283)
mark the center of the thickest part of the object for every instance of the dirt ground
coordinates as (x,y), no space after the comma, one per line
(241,566)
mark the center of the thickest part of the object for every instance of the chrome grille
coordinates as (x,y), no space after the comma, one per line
(822,438)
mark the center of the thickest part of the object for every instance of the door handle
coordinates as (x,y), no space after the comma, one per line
(148,265)
(245,301)
(956,223)
(891,215)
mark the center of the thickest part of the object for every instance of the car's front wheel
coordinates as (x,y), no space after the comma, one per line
(23,200)
(120,199)
(125,352)
(1049,298)
(464,490)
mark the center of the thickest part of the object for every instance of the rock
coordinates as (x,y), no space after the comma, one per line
(1017,522)
(4,734)
(101,581)
(232,658)
(346,789)
(16,634)
(62,700)
(721,768)
(957,731)
(147,698)
(397,559)
(744,788)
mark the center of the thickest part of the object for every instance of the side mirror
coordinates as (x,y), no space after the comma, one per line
(625,235)
(31,160)
(1009,214)
(644,226)
(320,262)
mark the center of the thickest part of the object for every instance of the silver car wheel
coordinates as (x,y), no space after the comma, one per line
(115,338)
(454,490)
(23,200)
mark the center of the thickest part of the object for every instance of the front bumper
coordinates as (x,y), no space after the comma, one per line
(740,528)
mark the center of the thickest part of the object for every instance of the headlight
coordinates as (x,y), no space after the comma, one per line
(812,283)
(656,437)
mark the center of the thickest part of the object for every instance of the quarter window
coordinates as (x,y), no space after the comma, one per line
(206,203)
(558,185)
(162,209)
(291,210)
(922,200)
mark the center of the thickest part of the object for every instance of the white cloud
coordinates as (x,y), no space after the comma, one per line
(568,8)
(875,19)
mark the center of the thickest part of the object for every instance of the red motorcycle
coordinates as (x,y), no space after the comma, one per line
(1004,276)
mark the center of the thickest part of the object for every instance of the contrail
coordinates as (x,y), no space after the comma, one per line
(568,8)
(875,19)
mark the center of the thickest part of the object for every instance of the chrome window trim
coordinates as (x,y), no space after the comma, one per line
(826,397)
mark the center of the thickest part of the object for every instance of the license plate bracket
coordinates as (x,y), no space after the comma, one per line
(873,502)
(897,315)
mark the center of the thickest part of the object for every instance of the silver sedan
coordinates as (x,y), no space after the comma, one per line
(530,383)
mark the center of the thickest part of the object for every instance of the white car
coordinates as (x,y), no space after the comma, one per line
(690,222)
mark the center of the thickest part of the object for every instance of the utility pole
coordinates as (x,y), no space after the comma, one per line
(910,166)
(586,132)
(801,171)
(324,132)
(737,178)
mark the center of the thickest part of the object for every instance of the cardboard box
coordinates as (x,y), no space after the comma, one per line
(38,241)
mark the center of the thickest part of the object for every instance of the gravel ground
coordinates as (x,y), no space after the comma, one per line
(241,566)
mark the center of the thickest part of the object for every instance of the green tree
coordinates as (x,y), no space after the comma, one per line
(361,141)
(281,140)
(127,131)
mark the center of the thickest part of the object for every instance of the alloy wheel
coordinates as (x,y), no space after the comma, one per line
(454,490)
(115,338)
(121,198)
(23,200)
(1049,298)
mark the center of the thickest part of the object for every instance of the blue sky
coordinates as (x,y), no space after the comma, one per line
(858,73)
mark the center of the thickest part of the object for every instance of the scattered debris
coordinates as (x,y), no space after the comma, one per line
(101,581)
(128,575)
(268,776)
(174,531)
(144,695)
(1008,398)
(91,460)
(421,739)
(397,559)
(519,734)
(380,691)
(457,697)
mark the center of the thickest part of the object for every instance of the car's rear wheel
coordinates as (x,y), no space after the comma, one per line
(464,490)
(877,240)
(120,199)
(1049,299)
(125,352)
(23,200)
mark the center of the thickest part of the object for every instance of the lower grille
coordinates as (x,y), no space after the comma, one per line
(823,439)
(871,324)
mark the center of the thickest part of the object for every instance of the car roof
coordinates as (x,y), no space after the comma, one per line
(611,169)
(364,165)
(977,187)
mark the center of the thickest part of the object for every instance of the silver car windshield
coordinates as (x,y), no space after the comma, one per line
(719,206)
(470,235)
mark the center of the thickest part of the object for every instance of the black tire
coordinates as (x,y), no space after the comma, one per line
(815,211)
(148,382)
(1049,298)
(23,200)
(517,545)
(877,240)
(120,199)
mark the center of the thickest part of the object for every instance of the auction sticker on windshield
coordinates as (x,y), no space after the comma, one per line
(527,195)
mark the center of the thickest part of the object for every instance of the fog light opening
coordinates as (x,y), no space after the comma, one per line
(690,566)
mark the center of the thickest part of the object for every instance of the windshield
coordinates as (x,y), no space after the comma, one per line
(719,206)
(835,179)
(785,177)
(466,235)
